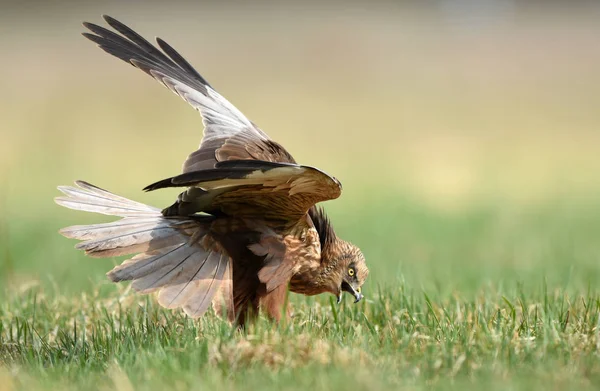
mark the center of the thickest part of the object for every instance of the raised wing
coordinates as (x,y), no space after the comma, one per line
(265,191)
(228,134)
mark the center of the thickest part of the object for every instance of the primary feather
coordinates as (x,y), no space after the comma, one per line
(174,258)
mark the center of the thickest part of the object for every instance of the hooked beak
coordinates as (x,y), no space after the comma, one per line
(350,289)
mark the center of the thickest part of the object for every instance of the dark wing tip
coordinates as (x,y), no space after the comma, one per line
(179,60)
(159,185)
(80,182)
(252,164)
(142,65)
(88,186)
(110,20)
(194,178)
(94,38)
(127,45)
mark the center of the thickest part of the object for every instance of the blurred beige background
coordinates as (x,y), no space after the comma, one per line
(465,133)
(449,102)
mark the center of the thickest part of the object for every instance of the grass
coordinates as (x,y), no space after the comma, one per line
(399,338)
(469,163)
(456,314)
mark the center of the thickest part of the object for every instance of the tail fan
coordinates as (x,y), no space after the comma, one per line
(176,256)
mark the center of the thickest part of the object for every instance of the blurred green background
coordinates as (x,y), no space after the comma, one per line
(466,136)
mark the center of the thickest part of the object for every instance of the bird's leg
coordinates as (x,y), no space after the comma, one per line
(275,302)
(248,311)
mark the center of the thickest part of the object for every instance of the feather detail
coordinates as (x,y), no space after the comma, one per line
(178,258)
(323,226)
(228,133)
(286,255)
(223,299)
(277,269)
(202,297)
(252,189)
(89,198)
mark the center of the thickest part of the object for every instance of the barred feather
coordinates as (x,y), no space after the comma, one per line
(173,259)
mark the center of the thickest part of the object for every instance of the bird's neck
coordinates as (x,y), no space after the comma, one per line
(314,278)
(324,276)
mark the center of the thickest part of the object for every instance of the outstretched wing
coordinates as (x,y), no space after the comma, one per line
(228,134)
(176,257)
(275,192)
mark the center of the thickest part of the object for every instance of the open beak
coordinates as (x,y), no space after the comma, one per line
(350,289)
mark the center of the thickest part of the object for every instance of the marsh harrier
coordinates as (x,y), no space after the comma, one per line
(244,230)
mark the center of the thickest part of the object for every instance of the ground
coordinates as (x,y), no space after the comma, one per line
(469,164)
(513,304)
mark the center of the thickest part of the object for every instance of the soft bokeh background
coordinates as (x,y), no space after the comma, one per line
(466,134)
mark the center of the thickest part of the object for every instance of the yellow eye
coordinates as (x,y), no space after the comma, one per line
(350,272)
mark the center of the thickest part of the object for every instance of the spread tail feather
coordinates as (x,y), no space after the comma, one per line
(176,257)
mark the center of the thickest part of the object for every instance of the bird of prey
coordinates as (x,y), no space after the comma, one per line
(244,230)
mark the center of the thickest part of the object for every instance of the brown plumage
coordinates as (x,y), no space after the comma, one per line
(245,229)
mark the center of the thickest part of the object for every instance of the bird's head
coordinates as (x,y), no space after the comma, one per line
(345,269)
(351,271)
